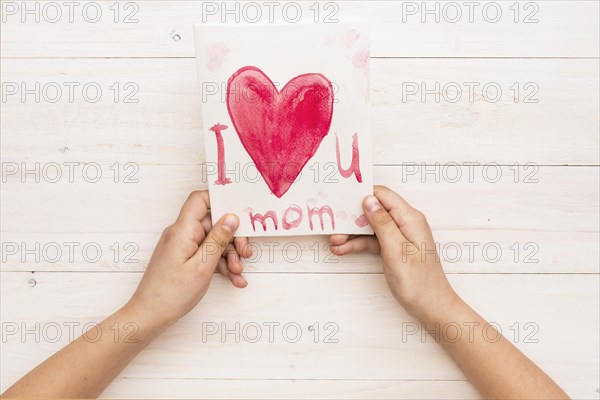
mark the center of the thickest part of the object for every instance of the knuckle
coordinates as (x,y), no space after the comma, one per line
(221,238)
(419,216)
(169,233)
(383,218)
(195,195)
(205,274)
(181,232)
(380,188)
(197,235)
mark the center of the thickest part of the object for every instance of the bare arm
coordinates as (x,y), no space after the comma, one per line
(85,367)
(496,368)
(176,279)
(416,278)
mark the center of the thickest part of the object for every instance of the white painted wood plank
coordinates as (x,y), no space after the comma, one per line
(370,345)
(549,226)
(548,127)
(304,389)
(164,28)
(564,200)
(461,251)
(559,214)
(289,389)
(164,126)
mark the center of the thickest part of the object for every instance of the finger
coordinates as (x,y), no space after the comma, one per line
(222,268)
(195,207)
(206,223)
(242,245)
(233,260)
(198,229)
(359,244)
(338,240)
(236,279)
(412,222)
(189,225)
(212,248)
(385,228)
(184,230)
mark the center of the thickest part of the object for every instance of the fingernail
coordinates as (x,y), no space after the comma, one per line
(372,204)
(231,222)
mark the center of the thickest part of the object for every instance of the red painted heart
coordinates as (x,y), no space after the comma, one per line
(281,131)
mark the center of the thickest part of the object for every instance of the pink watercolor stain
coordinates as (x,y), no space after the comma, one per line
(349,38)
(361,221)
(280,130)
(342,215)
(217,55)
(361,59)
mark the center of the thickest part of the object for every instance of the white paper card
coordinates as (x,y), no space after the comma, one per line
(286,117)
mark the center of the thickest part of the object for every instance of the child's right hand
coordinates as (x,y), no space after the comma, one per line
(410,260)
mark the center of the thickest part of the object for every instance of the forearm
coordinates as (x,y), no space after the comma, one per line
(493,365)
(85,367)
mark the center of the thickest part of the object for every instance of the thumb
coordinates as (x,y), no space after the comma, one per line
(215,243)
(387,231)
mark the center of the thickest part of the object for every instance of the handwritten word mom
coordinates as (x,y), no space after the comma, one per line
(292,217)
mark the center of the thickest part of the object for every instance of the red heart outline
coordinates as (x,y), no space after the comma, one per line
(280,130)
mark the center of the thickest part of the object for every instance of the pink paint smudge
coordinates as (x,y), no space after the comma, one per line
(322,195)
(361,221)
(217,55)
(349,38)
(362,59)
(342,215)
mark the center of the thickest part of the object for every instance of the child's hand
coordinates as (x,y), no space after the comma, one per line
(410,260)
(184,260)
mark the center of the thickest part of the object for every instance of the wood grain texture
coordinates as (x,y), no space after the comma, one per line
(302,389)
(470,224)
(396,33)
(370,326)
(463,124)
(564,199)
(293,389)
(552,219)
(461,251)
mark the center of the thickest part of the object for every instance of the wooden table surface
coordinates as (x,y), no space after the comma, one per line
(487,122)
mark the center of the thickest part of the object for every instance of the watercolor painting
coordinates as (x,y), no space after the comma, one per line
(287,126)
(281,131)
